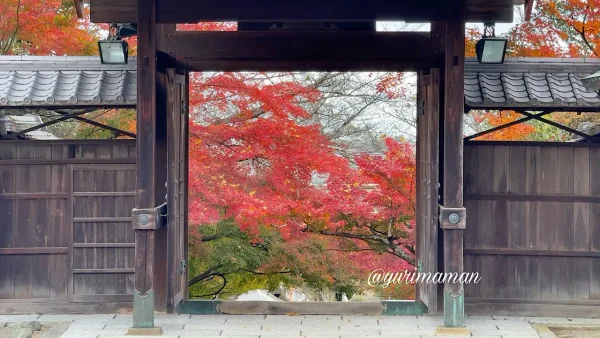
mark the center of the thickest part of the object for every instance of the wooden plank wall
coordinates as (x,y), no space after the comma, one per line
(66,230)
(533,229)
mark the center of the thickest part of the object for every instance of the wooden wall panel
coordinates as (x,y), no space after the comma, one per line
(102,233)
(36,206)
(534,231)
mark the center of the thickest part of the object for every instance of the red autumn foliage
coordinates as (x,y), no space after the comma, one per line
(256,157)
(48,27)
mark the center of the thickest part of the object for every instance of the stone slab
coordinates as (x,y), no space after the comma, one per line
(150,331)
(18,318)
(57,330)
(306,308)
(543,331)
(92,334)
(453,331)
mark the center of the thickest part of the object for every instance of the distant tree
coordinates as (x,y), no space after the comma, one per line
(48,27)
(225,261)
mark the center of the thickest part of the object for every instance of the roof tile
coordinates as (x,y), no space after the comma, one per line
(60,81)
(532,83)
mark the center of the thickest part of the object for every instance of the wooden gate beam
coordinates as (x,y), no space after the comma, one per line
(304,51)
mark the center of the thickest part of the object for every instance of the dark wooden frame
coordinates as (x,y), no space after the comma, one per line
(269,51)
(236,51)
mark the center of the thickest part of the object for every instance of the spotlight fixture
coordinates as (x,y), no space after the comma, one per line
(114,50)
(592,82)
(490,49)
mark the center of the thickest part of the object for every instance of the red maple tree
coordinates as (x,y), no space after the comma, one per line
(256,157)
(48,27)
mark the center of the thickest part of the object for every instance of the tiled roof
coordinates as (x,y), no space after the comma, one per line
(531,83)
(528,83)
(14,124)
(27,81)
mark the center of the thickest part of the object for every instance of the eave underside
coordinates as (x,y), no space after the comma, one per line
(192,11)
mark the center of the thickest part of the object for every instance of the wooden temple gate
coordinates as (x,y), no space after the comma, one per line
(167,56)
(164,51)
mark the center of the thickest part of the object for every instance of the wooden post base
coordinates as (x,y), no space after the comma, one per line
(153,331)
(454,309)
(453,331)
(143,310)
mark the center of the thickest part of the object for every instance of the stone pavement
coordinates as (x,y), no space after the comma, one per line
(186,326)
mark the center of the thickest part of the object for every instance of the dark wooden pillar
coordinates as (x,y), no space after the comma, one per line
(452,213)
(150,240)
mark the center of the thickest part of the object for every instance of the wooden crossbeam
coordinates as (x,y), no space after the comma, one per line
(286,51)
(46,124)
(504,126)
(537,117)
(191,11)
(560,126)
(116,131)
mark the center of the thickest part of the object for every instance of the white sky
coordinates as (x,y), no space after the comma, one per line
(425,27)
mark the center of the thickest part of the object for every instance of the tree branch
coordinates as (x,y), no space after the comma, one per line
(396,250)
(216,293)
(209,273)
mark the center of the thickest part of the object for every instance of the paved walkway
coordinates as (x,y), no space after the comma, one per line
(186,326)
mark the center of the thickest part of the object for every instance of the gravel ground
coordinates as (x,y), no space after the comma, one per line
(575,332)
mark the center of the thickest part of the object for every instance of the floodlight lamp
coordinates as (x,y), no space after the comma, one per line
(490,49)
(113,50)
(592,82)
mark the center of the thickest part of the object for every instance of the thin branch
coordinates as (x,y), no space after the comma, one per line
(216,293)
(17,24)
(210,272)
